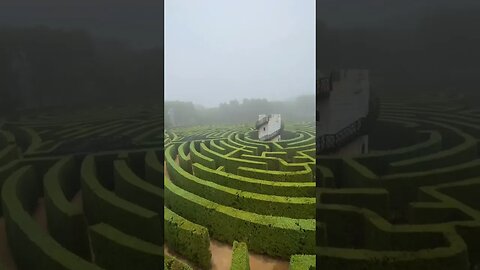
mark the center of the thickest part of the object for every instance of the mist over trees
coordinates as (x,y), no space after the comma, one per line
(44,67)
(178,113)
(435,50)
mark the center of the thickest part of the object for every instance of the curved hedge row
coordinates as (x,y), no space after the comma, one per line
(19,196)
(271,210)
(116,250)
(66,223)
(189,239)
(102,205)
(51,192)
(240,257)
(408,207)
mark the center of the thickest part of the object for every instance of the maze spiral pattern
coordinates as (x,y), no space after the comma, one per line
(87,191)
(413,202)
(229,186)
(77,195)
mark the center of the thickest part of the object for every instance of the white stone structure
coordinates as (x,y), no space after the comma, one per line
(269,127)
(346,103)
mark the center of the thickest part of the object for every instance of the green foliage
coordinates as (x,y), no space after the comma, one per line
(101,205)
(302,262)
(171,263)
(240,257)
(66,222)
(19,195)
(115,250)
(188,239)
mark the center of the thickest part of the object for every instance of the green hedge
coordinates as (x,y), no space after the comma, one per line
(6,170)
(379,161)
(24,235)
(217,157)
(118,251)
(292,189)
(325,177)
(261,147)
(306,175)
(403,187)
(240,257)
(375,199)
(198,157)
(252,149)
(461,153)
(102,205)
(232,164)
(364,240)
(276,236)
(188,239)
(217,148)
(66,222)
(184,160)
(134,189)
(153,169)
(171,263)
(272,162)
(302,262)
(295,207)
(8,154)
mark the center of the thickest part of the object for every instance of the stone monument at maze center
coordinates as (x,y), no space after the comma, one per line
(398,182)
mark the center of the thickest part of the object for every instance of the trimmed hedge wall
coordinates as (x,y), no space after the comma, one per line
(198,157)
(188,239)
(364,240)
(8,154)
(66,222)
(19,195)
(171,263)
(302,262)
(184,160)
(118,251)
(305,175)
(240,257)
(153,169)
(292,189)
(276,236)
(295,207)
(134,189)
(102,205)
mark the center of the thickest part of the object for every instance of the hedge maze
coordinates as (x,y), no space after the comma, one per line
(84,190)
(110,189)
(411,203)
(224,184)
(92,190)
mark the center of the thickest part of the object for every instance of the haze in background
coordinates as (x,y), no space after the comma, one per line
(409,46)
(136,22)
(217,50)
(56,53)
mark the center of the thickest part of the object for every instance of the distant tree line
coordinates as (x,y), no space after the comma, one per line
(437,52)
(44,67)
(178,113)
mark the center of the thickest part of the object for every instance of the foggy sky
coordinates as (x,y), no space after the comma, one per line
(137,22)
(217,50)
(380,13)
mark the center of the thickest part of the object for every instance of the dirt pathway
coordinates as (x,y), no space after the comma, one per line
(40,215)
(222,258)
(77,199)
(5,253)
(222,254)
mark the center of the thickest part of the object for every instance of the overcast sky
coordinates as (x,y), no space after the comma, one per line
(138,22)
(355,13)
(218,50)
